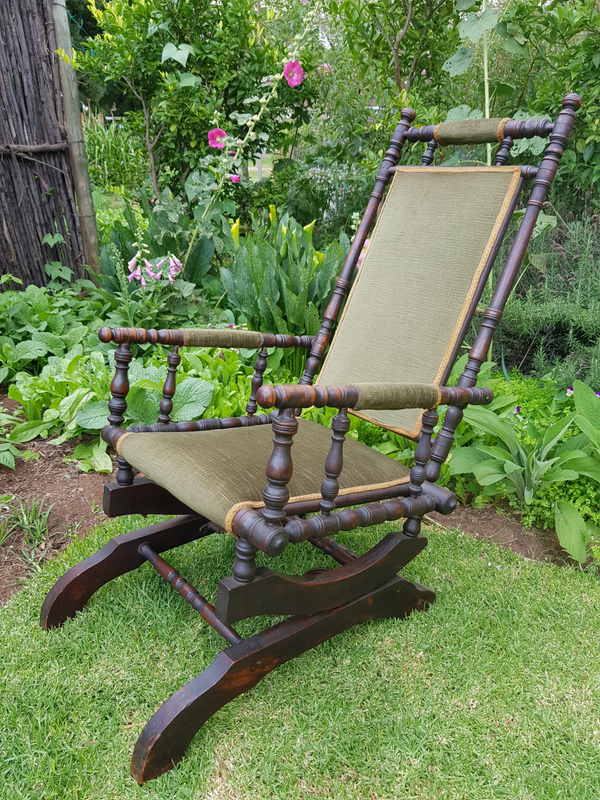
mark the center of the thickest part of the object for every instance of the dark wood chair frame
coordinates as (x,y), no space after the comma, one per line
(324,602)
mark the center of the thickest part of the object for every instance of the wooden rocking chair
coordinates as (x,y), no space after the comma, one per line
(432,250)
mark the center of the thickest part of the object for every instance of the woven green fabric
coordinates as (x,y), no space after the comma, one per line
(412,291)
(469,131)
(395,395)
(211,471)
(221,337)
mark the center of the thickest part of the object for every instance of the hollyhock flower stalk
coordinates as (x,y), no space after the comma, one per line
(275,80)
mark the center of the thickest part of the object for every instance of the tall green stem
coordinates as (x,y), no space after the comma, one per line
(486,83)
(250,134)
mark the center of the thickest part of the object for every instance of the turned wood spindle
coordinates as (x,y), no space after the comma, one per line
(166,404)
(330,487)
(117,405)
(503,151)
(257,380)
(244,566)
(428,155)
(412,526)
(279,467)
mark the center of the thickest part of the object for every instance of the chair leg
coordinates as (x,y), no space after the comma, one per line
(164,740)
(71,592)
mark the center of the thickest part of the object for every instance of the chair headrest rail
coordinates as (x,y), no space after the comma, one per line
(479,131)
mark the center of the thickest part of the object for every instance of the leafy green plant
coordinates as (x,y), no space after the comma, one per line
(512,464)
(279,283)
(31,518)
(577,536)
(115,153)
(587,405)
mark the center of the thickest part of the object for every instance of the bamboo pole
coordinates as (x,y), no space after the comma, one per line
(79,166)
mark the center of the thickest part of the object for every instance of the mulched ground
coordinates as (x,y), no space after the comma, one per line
(75,499)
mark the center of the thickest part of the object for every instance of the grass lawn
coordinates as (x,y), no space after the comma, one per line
(494,692)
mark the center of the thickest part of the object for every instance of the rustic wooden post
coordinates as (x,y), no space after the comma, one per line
(79,165)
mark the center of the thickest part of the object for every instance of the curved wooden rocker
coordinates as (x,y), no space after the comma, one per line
(240,667)
(439,230)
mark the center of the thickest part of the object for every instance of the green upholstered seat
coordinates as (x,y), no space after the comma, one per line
(413,292)
(214,471)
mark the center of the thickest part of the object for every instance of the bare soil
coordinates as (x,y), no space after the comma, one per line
(75,500)
(73,497)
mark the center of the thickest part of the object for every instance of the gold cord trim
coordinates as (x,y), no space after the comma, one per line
(304,497)
(500,131)
(118,444)
(436,136)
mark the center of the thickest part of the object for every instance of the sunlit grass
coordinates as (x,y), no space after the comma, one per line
(492,692)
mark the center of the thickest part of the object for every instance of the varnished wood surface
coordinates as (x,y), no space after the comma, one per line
(71,592)
(167,735)
(274,593)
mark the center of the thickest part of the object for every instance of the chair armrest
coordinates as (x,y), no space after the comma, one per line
(204,337)
(391,396)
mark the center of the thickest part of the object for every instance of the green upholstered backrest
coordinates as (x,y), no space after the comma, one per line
(413,292)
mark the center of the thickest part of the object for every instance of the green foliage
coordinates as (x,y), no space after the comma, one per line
(190,67)
(279,282)
(552,319)
(587,405)
(537,52)
(583,494)
(394,46)
(116,154)
(507,463)
(574,533)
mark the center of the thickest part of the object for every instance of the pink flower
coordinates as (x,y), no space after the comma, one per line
(132,263)
(232,152)
(175,267)
(216,138)
(137,275)
(153,275)
(423,72)
(293,73)
(234,178)
(324,69)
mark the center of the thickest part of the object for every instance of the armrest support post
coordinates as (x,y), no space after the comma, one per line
(340,425)
(119,386)
(117,405)
(412,526)
(279,467)
(260,366)
(166,404)
(264,530)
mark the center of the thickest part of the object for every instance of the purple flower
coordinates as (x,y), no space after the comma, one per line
(137,274)
(154,276)
(234,178)
(597,394)
(229,325)
(175,267)
(132,263)
(216,138)
(569,391)
(518,410)
(293,73)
